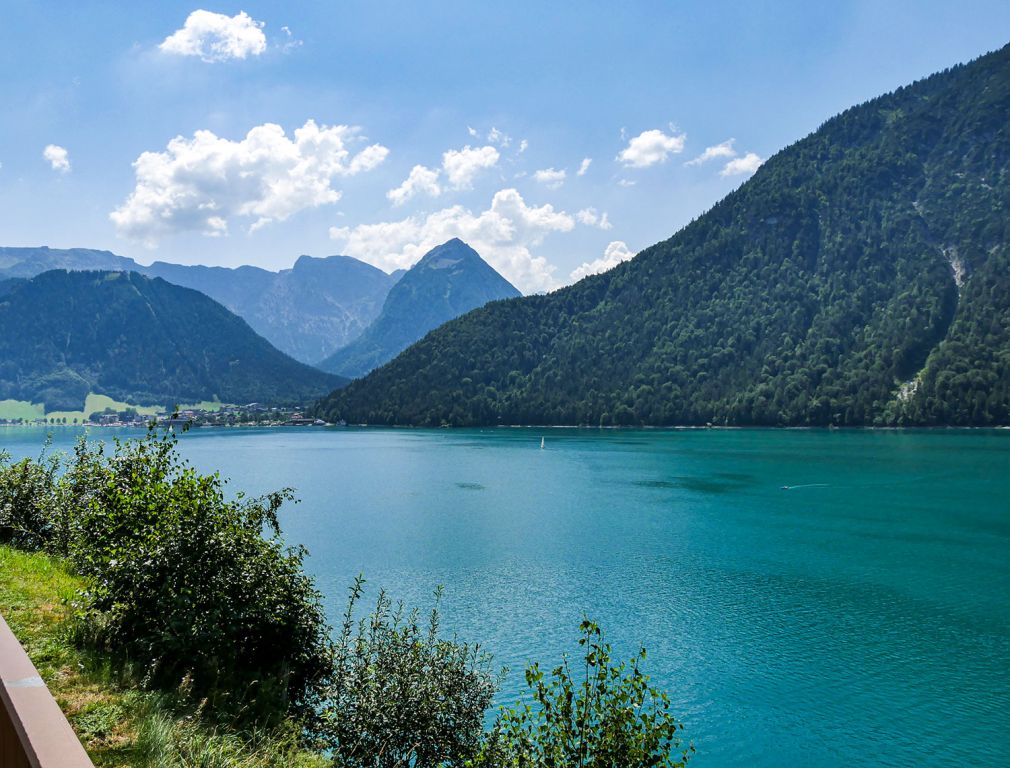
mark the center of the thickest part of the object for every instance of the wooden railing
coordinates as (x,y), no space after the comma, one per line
(33,731)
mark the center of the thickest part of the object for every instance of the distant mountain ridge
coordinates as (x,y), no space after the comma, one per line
(448,281)
(860,277)
(137,339)
(307,311)
(29,262)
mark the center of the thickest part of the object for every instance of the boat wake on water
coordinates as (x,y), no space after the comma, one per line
(805,485)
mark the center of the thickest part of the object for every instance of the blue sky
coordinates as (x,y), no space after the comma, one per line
(480,96)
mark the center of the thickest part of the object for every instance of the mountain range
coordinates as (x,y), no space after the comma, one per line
(860,277)
(308,311)
(447,282)
(139,340)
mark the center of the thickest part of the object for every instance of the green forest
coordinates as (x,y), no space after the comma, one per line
(138,340)
(861,277)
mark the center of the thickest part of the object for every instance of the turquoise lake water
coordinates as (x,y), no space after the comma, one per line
(860,617)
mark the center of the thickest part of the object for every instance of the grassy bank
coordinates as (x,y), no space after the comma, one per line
(119,723)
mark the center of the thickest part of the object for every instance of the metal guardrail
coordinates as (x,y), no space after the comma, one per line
(33,731)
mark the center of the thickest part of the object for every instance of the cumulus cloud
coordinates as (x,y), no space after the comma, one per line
(711,153)
(462,165)
(550,178)
(421,179)
(591,218)
(584,166)
(365,160)
(215,37)
(741,166)
(625,183)
(523,145)
(503,234)
(201,184)
(57,157)
(613,255)
(651,147)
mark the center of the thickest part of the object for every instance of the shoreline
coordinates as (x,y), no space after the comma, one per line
(584,427)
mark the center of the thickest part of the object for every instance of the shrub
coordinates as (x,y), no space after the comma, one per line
(184,581)
(27,497)
(402,696)
(189,584)
(610,717)
(42,500)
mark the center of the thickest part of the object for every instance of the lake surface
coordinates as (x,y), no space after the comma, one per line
(860,617)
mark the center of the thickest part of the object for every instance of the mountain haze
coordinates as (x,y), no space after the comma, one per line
(861,276)
(137,339)
(447,282)
(307,311)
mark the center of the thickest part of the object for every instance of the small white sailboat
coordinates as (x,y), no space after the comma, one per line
(541,443)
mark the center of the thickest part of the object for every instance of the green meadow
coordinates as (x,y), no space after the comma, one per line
(22,409)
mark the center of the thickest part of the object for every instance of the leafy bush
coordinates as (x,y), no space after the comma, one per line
(27,497)
(189,584)
(41,500)
(185,582)
(402,696)
(611,717)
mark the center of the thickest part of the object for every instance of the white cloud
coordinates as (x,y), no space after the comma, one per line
(502,234)
(57,157)
(216,37)
(711,153)
(591,218)
(200,184)
(523,145)
(614,254)
(494,136)
(550,178)
(472,131)
(625,183)
(462,165)
(421,179)
(366,160)
(651,147)
(742,165)
(584,166)
(290,43)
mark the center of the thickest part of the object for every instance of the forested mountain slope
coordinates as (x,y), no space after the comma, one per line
(862,276)
(307,311)
(447,282)
(140,340)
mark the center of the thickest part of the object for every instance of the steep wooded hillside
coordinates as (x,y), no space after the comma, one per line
(862,276)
